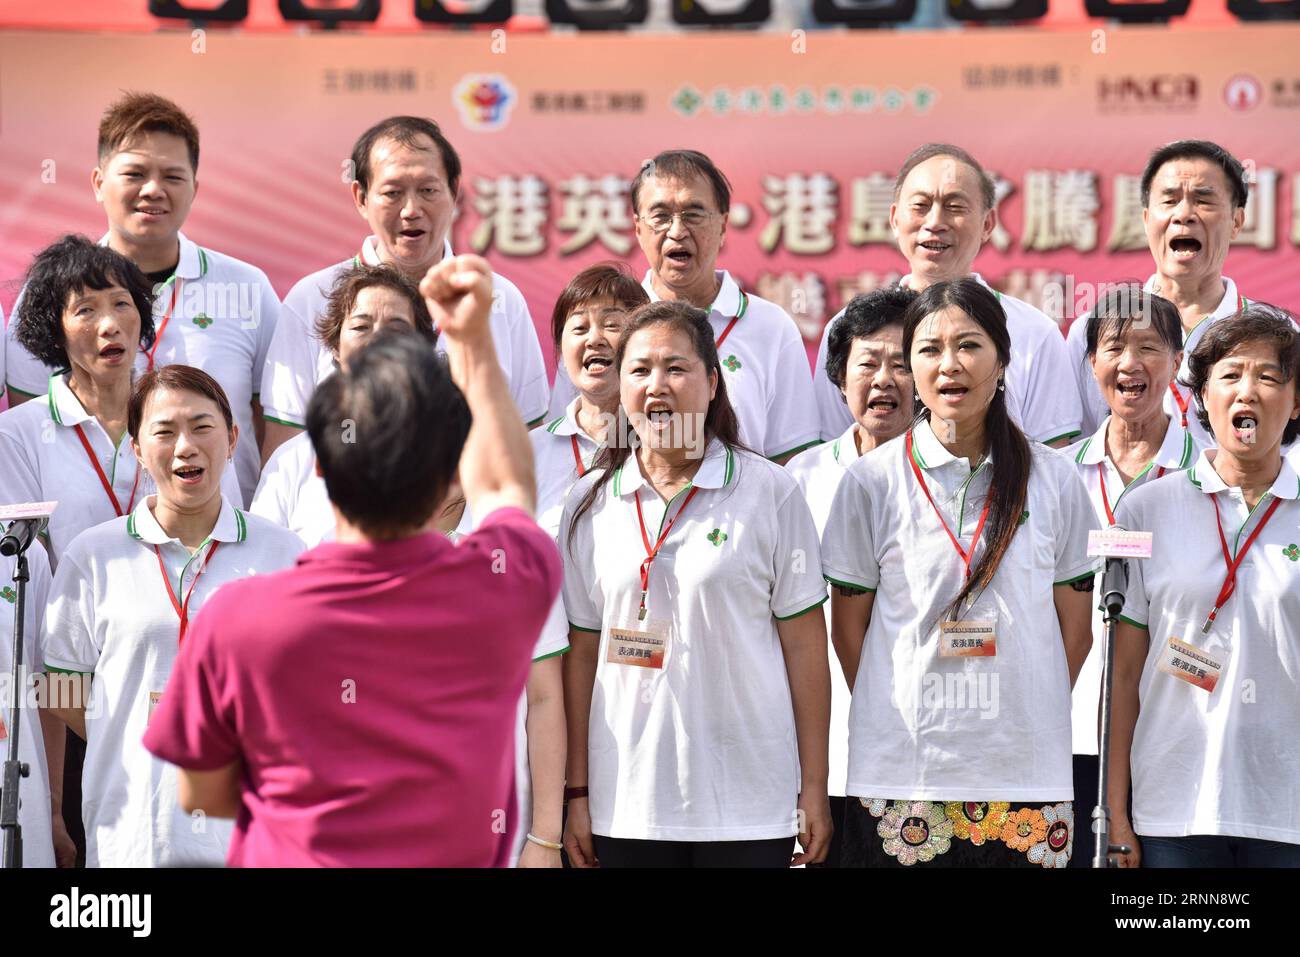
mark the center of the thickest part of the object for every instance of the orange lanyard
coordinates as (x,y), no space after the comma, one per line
(167,316)
(1230,581)
(966,556)
(1105,499)
(103,479)
(182,607)
(1184,401)
(577,456)
(652,551)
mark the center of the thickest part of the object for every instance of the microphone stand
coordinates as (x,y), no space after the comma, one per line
(15,770)
(1114,583)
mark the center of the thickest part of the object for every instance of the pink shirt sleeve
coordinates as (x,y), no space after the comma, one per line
(193,727)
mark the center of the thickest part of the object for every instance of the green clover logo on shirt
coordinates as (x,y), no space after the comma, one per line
(8,594)
(1292,552)
(732,363)
(202,321)
(717,537)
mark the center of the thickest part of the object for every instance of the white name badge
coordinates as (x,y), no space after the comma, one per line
(1199,668)
(641,645)
(1118,543)
(975,638)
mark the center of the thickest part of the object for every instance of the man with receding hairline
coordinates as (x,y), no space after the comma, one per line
(943,213)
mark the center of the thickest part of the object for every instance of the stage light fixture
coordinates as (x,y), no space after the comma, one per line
(1137,11)
(597,14)
(464,11)
(207,11)
(864,12)
(330,11)
(719,13)
(983,11)
(1265,9)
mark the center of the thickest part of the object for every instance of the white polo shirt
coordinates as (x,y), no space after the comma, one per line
(1099,475)
(1038,392)
(221,314)
(111,614)
(42,459)
(704,748)
(818,471)
(1225,762)
(1094,406)
(34,791)
(298,361)
(765,366)
(927,727)
(558,450)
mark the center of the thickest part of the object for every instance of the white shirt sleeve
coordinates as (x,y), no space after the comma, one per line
(1051,408)
(791,409)
(562,392)
(23,371)
(832,411)
(583,603)
(19,481)
(1077,518)
(267,319)
(70,636)
(289,375)
(796,560)
(527,369)
(554,638)
(1093,405)
(273,499)
(848,549)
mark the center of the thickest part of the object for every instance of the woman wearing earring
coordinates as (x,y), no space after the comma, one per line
(1206,717)
(1135,347)
(697,686)
(121,601)
(960,606)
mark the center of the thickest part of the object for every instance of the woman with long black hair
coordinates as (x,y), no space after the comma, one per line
(697,688)
(961,607)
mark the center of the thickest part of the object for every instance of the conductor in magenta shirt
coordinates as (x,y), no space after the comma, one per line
(359,708)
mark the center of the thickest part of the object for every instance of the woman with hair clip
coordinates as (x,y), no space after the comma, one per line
(1134,344)
(1206,715)
(960,606)
(697,687)
(122,601)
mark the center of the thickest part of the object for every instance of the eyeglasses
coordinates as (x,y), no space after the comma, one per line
(662,221)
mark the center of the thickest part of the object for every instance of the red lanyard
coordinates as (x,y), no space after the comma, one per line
(1105,499)
(1180,401)
(732,324)
(650,551)
(577,456)
(182,608)
(162,327)
(103,479)
(966,556)
(1230,582)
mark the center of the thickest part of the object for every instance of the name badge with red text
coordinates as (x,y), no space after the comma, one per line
(975,638)
(1197,667)
(643,645)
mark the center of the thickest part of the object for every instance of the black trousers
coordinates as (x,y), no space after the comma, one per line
(625,852)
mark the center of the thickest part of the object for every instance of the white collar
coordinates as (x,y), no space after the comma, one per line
(1205,478)
(729,302)
(193,262)
(929,453)
(1175,451)
(717,470)
(370,252)
(567,424)
(65,408)
(143,526)
(845,448)
(1228,305)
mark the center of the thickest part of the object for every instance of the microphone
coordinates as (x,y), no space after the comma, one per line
(1114,583)
(26,521)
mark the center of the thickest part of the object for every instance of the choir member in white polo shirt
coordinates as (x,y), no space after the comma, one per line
(1206,717)
(407,180)
(960,608)
(364,300)
(40,812)
(212,310)
(586,325)
(119,607)
(680,202)
(943,213)
(865,360)
(697,687)
(1134,346)
(1193,206)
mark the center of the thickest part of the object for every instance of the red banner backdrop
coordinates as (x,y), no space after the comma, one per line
(809,128)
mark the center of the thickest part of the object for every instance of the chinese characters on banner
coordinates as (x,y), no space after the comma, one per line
(812,214)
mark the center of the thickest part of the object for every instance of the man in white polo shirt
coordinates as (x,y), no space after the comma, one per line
(407,178)
(680,201)
(211,311)
(1193,206)
(942,215)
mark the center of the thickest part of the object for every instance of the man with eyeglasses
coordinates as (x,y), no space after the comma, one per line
(680,201)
